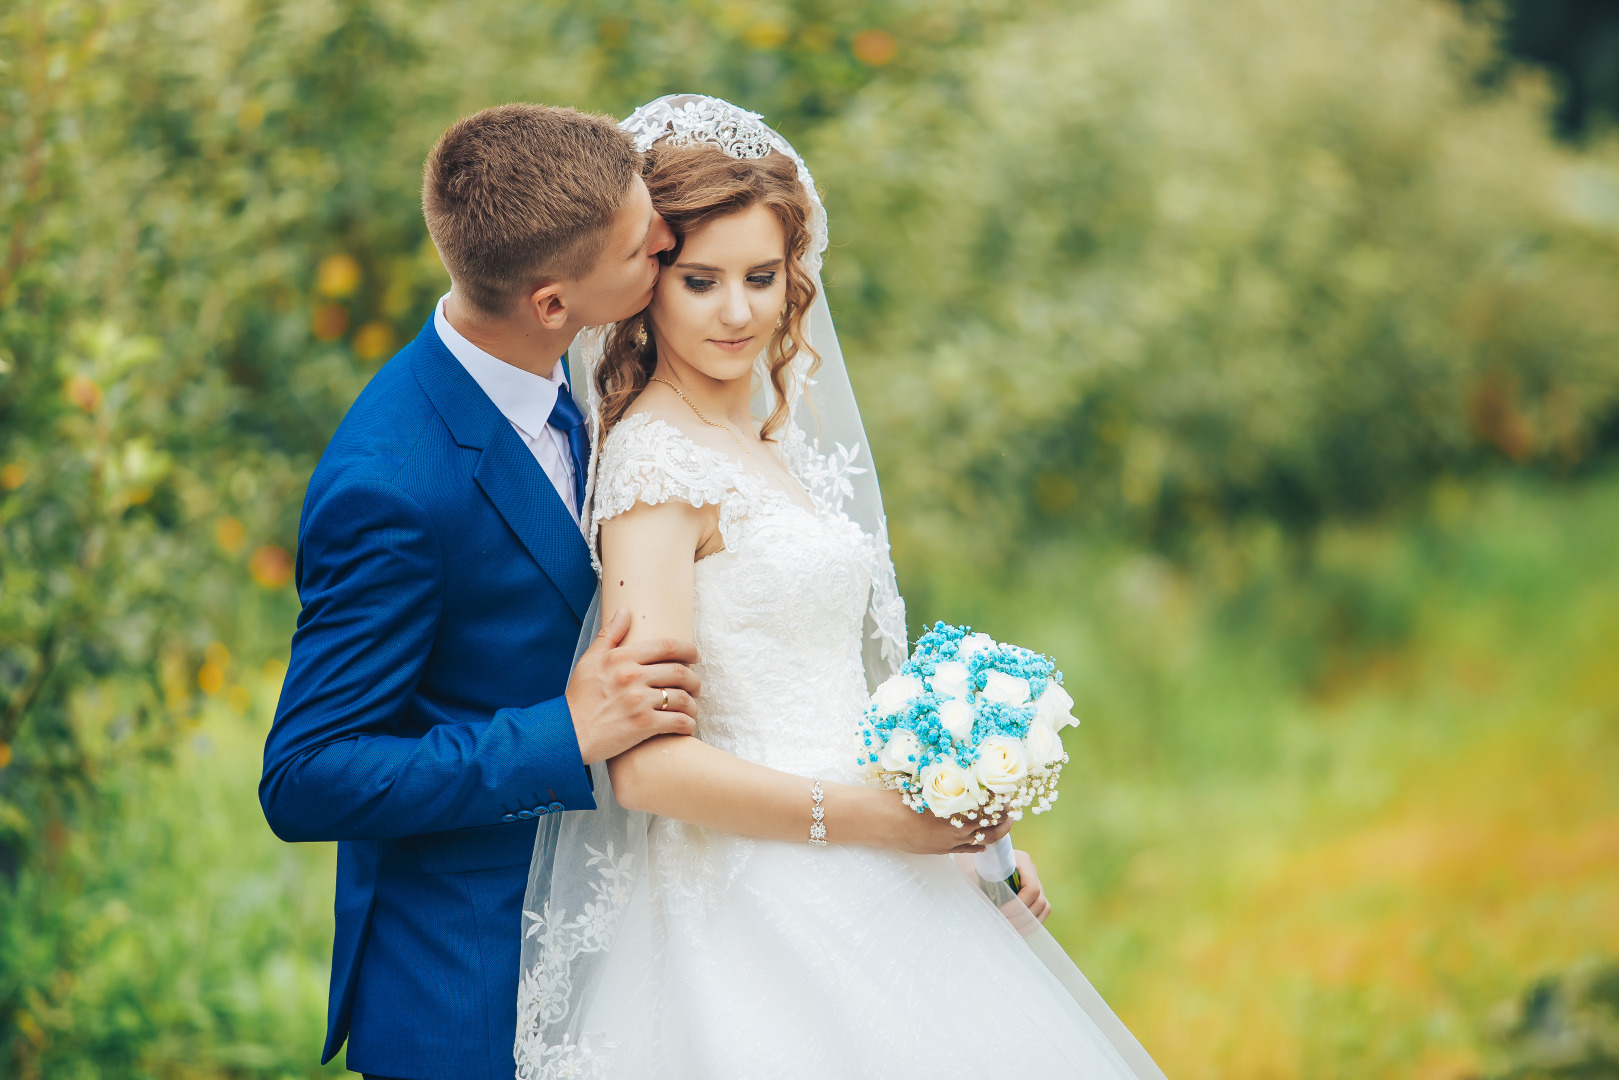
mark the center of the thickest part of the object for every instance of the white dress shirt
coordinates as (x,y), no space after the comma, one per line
(523,398)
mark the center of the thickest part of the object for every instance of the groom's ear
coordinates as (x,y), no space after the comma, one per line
(548,307)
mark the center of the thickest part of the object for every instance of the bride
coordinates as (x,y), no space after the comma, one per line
(740,905)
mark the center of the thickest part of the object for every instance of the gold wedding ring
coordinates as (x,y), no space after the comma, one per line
(664,704)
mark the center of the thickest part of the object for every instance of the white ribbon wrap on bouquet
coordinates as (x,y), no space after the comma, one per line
(997,861)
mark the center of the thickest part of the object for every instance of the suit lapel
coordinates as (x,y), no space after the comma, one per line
(523,494)
(507,472)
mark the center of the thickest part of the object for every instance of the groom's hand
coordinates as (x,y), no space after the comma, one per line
(1032,895)
(617,691)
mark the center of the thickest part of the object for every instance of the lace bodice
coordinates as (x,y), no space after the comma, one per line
(778,612)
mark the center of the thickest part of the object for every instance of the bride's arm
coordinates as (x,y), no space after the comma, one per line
(648,566)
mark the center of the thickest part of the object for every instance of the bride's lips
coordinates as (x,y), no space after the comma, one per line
(731,345)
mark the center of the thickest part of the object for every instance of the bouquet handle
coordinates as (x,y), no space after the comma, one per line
(998,863)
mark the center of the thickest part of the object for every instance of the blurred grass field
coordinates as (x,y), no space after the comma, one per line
(1275,862)
(1350,863)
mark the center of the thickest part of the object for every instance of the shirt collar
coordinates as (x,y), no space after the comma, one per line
(524,398)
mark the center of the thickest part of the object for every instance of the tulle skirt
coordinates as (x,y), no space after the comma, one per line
(755,959)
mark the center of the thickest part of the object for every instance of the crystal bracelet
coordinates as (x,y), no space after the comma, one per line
(817,834)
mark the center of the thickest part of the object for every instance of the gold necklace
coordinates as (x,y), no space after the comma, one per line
(693,406)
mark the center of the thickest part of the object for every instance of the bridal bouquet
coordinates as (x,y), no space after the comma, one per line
(968,729)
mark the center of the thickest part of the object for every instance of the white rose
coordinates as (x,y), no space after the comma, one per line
(1006,689)
(950,679)
(1002,763)
(1054,708)
(867,771)
(896,693)
(900,753)
(1044,746)
(973,643)
(957,717)
(949,789)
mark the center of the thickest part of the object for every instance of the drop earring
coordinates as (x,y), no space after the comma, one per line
(640,336)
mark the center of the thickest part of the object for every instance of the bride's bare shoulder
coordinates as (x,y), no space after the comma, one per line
(657,402)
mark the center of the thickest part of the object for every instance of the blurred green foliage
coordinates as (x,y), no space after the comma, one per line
(170,935)
(1579,41)
(1206,281)
(1566,1028)
(1158,266)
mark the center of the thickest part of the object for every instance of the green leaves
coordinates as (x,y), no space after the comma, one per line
(1205,263)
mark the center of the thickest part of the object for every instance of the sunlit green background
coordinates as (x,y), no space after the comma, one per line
(1259,359)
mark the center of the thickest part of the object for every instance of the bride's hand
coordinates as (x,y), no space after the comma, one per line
(892,824)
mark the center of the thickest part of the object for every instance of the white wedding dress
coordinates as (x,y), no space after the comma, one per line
(738,958)
(657,950)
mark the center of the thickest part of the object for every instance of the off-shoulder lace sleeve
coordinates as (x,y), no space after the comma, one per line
(648,460)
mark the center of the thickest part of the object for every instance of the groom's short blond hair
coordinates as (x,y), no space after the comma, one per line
(520,194)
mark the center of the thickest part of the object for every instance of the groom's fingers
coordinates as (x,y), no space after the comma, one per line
(1032,895)
(679,717)
(614,629)
(673,676)
(678,701)
(660,651)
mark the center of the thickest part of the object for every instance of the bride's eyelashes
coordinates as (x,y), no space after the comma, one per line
(698,284)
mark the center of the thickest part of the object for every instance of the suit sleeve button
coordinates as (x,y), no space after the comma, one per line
(556,807)
(539,810)
(525,814)
(509,817)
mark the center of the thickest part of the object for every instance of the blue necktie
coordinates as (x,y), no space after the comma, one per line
(566,418)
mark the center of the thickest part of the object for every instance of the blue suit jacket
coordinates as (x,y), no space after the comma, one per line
(422,723)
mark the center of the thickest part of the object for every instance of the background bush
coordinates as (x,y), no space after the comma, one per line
(1156,265)
(1164,315)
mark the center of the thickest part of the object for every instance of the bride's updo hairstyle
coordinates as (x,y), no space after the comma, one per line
(692,186)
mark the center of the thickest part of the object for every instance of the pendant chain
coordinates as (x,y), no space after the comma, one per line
(693,406)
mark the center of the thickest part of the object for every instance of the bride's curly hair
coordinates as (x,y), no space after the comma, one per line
(691,186)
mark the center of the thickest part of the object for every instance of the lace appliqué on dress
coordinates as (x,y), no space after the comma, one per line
(826,478)
(645,459)
(695,865)
(544,990)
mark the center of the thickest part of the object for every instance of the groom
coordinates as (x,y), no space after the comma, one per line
(428,717)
